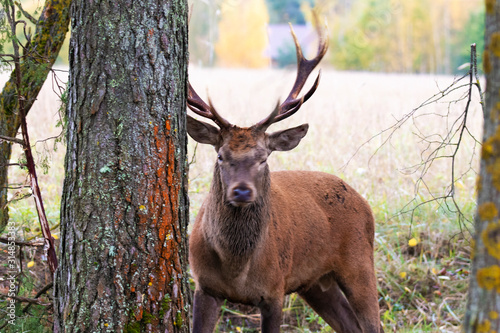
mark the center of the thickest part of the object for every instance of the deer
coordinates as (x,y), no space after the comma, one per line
(261,235)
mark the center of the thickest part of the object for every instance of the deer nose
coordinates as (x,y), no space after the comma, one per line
(242,193)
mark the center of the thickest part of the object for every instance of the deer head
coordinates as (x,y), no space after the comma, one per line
(242,152)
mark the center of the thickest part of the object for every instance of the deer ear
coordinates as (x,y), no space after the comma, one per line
(286,139)
(202,132)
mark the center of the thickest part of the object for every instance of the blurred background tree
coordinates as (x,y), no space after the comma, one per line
(242,34)
(284,11)
(411,36)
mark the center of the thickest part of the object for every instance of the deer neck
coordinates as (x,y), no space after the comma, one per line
(237,231)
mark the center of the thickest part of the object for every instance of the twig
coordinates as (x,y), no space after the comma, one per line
(18,187)
(19,198)
(26,300)
(193,159)
(38,294)
(9,139)
(476,75)
(437,146)
(44,224)
(36,242)
(25,13)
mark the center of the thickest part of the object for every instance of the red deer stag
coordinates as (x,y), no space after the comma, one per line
(262,235)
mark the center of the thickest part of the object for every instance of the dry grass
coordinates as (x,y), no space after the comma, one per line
(422,288)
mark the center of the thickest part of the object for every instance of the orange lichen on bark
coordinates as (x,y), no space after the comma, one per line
(484,327)
(495,43)
(495,112)
(494,170)
(490,153)
(491,146)
(491,239)
(166,200)
(486,62)
(158,225)
(489,278)
(488,211)
(490,6)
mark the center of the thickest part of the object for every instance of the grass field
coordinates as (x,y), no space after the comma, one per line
(422,257)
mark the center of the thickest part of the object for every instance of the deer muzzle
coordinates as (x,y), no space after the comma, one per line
(241,195)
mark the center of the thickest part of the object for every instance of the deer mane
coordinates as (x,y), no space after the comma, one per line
(240,238)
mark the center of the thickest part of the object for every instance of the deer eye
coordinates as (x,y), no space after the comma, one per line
(263,161)
(219,158)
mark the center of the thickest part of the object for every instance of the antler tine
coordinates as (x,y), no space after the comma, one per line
(304,68)
(198,106)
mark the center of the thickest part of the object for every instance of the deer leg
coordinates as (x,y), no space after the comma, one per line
(205,312)
(333,307)
(270,315)
(360,289)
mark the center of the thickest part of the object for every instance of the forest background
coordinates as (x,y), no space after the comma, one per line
(412,36)
(403,36)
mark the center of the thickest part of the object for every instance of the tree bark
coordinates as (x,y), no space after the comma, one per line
(483,308)
(49,36)
(124,210)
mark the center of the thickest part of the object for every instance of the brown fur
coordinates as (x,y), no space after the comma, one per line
(305,232)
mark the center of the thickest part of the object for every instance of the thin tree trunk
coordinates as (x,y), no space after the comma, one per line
(124,210)
(49,36)
(483,308)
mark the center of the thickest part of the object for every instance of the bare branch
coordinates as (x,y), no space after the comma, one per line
(9,139)
(437,146)
(26,300)
(30,163)
(25,13)
(36,242)
(38,294)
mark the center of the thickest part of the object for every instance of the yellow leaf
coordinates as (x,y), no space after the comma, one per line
(402,275)
(493,315)
(434,270)
(412,242)
(31,264)
(55,236)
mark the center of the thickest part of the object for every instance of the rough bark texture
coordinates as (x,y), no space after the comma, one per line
(483,309)
(124,211)
(49,36)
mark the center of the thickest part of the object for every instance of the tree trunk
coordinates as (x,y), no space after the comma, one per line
(483,308)
(124,210)
(49,36)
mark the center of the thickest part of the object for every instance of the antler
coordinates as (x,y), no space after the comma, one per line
(198,106)
(304,68)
